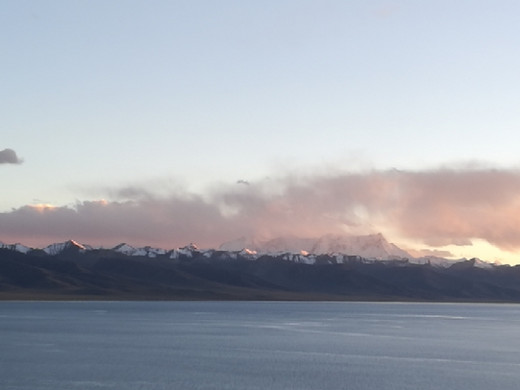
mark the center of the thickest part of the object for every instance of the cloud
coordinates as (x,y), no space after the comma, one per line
(386,11)
(166,223)
(436,207)
(431,253)
(8,156)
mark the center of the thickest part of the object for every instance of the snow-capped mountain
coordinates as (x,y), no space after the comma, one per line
(186,251)
(15,247)
(373,246)
(125,249)
(146,251)
(435,261)
(339,249)
(70,245)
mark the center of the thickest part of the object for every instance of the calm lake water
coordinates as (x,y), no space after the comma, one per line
(258,345)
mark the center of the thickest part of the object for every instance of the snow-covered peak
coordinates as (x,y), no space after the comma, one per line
(16,247)
(148,251)
(57,248)
(476,262)
(124,249)
(191,246)
(483,264)
(248,252)
(187,251)
(439,262)
(372,246)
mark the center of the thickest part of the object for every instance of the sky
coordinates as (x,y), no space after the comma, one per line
(168,122)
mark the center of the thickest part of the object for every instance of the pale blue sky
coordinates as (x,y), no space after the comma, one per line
(101,91)
(98,94)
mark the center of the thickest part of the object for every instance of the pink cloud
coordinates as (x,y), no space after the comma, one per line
(437,207)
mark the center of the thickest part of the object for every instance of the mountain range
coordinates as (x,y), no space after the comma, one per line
(368,247)
(286,268)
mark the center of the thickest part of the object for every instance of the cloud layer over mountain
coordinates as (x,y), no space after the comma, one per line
(435,207)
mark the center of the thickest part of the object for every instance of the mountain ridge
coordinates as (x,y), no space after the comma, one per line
(81,272)
(371,247)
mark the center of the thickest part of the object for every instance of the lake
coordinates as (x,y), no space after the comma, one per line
(258,345)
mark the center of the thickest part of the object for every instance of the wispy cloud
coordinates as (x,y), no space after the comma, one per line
(430,252)
(436,207)
(386,10)
(8,156)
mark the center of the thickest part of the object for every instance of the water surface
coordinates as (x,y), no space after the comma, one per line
(258,345)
